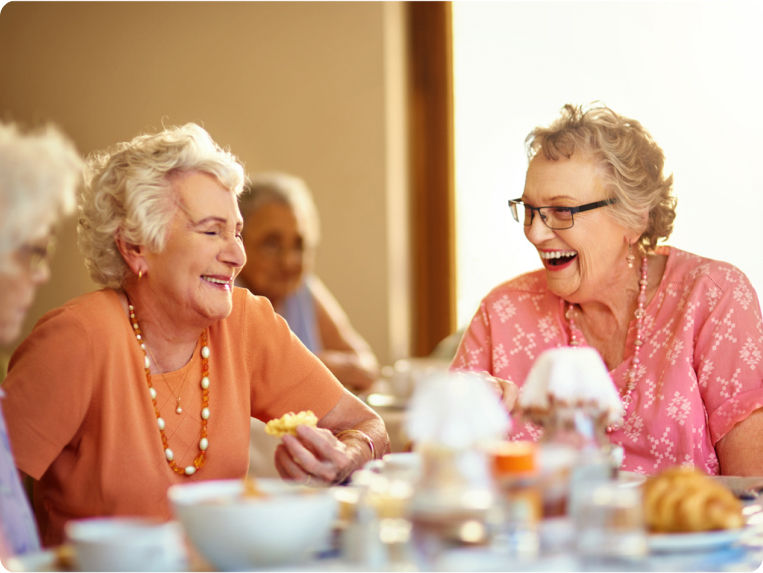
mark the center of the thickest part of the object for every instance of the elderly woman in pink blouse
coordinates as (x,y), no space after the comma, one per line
(682,335)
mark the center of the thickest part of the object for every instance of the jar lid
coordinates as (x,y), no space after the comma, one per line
(513,457)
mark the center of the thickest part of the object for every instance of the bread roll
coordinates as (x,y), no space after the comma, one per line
(686,500)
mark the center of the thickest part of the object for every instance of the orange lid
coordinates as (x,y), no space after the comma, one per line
(513,457)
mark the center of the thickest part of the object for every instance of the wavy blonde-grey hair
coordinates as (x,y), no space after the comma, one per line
(632,164)
(286,189)
(128,192)
(40,171)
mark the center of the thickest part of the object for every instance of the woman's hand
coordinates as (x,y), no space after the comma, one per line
(313,455)
(507,390)
(355,371)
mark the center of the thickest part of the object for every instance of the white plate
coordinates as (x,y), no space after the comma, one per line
(43,560)
(701,541)
(630,479)
(380,400)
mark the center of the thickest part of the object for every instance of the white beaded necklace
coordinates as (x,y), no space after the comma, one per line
(169,455)
(625,393)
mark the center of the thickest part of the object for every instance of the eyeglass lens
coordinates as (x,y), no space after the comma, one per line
(553,217)
(35,256)
(273,248)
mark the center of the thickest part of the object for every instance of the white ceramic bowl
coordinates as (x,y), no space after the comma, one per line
(285,527)
(126,544)
(408,463)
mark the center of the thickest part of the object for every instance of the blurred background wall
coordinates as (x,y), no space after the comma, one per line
(316,89)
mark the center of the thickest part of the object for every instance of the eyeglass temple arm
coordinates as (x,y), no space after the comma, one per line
(594,205)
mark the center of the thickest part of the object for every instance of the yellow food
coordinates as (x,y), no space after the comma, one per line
(686,500)
(251,489)
(287,424)
(64,558)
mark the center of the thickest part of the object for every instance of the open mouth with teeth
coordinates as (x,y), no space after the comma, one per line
(557,258)
(224,283)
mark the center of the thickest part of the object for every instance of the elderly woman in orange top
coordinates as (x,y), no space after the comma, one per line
(152,380)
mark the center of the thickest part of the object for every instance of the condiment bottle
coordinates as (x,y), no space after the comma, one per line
(514,466)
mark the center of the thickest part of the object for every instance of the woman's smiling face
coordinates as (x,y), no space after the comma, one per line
(194,273)
(587,260)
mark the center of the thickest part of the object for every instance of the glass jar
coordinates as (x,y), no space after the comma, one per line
(453,502)
(517,482)
(575,451)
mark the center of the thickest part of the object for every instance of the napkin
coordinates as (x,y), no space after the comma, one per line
(571,376)
(456,410)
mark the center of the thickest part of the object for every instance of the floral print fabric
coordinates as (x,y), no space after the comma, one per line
(701,366)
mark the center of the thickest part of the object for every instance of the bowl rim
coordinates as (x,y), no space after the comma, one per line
(81,528)
(194,493)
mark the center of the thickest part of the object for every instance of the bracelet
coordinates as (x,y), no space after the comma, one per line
(360,435)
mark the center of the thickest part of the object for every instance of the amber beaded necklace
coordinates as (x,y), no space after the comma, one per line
(199,460)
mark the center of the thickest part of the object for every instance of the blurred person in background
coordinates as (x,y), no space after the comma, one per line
(681,334)
(152,380)
(39,174)
(281,234)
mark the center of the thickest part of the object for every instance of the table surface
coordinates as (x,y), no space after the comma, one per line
(739,553)
(743,553)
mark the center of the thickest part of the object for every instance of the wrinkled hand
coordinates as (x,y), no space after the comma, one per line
(313,455)
(507,390)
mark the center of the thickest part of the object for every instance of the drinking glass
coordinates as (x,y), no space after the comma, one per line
(609,524)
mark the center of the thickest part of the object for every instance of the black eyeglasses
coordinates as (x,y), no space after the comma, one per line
(553,217)
(36,256)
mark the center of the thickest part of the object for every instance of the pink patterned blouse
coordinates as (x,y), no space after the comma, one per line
(701,363)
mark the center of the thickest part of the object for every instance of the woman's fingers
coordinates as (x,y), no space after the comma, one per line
(510,394)
(314,452)
(286,466)
(507,390)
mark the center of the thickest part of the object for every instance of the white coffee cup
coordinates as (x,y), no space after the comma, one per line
(127,544)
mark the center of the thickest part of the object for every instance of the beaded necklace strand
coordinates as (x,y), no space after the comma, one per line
(178,394)
(169,455)
(625,393)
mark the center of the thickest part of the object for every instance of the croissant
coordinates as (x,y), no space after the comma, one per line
(686,500)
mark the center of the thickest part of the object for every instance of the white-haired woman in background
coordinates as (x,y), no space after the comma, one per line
(152,380)
(39,173)
(281,234)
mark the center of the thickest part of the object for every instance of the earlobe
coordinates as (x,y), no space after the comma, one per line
(630,258)
(132,255)
(633,235)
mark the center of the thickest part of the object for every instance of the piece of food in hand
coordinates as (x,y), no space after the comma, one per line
(683,500)
(287,424)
